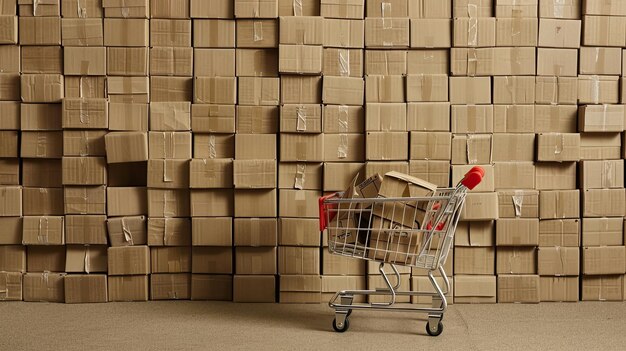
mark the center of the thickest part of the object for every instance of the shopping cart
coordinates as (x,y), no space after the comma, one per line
(408,231)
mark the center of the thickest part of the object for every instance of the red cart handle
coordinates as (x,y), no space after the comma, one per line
(473,177)
(323,220)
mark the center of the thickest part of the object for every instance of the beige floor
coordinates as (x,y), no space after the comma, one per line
(189,325)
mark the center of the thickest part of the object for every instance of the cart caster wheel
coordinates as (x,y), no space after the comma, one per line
(435,332)
(349,313)
(345,326)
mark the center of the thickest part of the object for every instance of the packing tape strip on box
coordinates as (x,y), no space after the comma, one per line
(472,62)
(257,28)
(128,235)
(558,8)
(518,202)
(595,88)
(344,62)
(212,147)
(87,260)
(300,176)
(607,174)
(301,118)
(472,25)
(42,237)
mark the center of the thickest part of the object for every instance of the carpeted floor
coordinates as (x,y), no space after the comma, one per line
(189,325)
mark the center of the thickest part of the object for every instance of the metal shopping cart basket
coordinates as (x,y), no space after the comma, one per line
(408,231)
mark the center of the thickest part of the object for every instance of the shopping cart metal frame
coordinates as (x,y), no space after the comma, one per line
(436,232)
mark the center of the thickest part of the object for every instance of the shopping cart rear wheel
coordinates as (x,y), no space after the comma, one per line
(435,332)
(345,327)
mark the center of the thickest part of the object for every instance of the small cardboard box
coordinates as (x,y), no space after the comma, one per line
(42,88)
(516,260)
(10,171)
(300,289)
(169,9)
(126,147)
(255,232)
(214,33)
(211,202)
(518,203)
(169,231)
(128,288)
(600,61)
(262,33)
(33,30)
(124,231)
(85,288)
(251,288)
(214,146)
(556,176)
(169,203)
(474,260)
(128,89)
(514,175)
(558,9)
(305,118)
(82,32)
(254,174)
(604,31)
(212,231)
(344,147)
(298,203)
(600,174)
(602,288)
(487,183)
(255,203)
(607,8)
(10,86)
(126,32)
(85,61)
(427,88)
(87,87)
(34,59)
(471,149)
(428,116)
(301,30)
(474,32)
(475,289)
(559,33)
(393,8)
(212,260)
(603,203)
(301,147)
(558,289)
(436,172)
(350,9)
(215,90)
(171,61)
(599,146)
(46,258)
(518,288)
(515,8)
(556,90)
(214,62)
(43,201)
(43,230)
(213,118)
(387,32)
(12,230)
(517,232)
(11,286)
(13,258)
(342,62)
(559,204)
(602,232)
(175,259)
(556,118)
(431,33)
(384,89)
(256,146)
(171,89)
(85,200)
(470,90)
(337,175)
(11,110)
(298,260)
(168,174)
(86,259)
(598,90)
(343,90)
(256,62)
(386,146)
(517,31)
(557,62)
(169,145)
(601,118)
(126,201)
(558,147)
(44,173)
(86,229)
(135,9)
(84,171)
(303,176)
(475,234)
(81,113)
(257,119)
(603,260)
(389,63)
(389,117)
(212,287)
(259,91)
(424,61)
(211,173)
(44,287)
(9,144)
(480,206)
(170,286)
(508,147)
(513,90)
(301,89)
(84,142)
(558,261)
(342,119)
(256,8)
(88,9)
(29,8)
(255,260)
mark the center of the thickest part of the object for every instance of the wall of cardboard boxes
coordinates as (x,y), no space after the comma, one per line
(175,149)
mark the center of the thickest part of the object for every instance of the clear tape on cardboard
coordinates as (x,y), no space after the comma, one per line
(167,178)
(81,9)
(128,235)
(301,118)
(86,260)
(472,153)
(43,233)
(472,25)
(515,63)
(300,176)
(607,174)
(125,12)
(35,7)
(42,144)
(257,28)
(83,149)
(558,8)
(472,62)
(518,202)
(297,7)
(427,86)
(385,9)
(344,62)
(85,199)
(212,148)
(595,89)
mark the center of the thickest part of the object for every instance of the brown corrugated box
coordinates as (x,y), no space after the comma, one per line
(344,147)
(602,232)
(598,146)
(555,176)
(79,113)
(256,62)
(84,171)
(169,9)
(84,200)
(342,33)
(518,203)
(214,33)
(553,90)
(387,32)
(470,90)
(126,147)
(301,90)
(598,89)
(254,288)
(12,230)
(332,284)
(306,176)
(487,183)
(518,288)
(46,258)
(169,145)
(516,31)
(10,86)
(87,87)
(85,288)
(513,90)
(559,204)
(516,8)
(599,174)
(558,261)
(255,260)
(475,289)
(431,33)
(385,88)
(10,201)
(41,173)
(508,147)
(300,289)
(12,112)
(255,146)
(480,206)
(261,33)
(170,259)
(298,260)
(168,116)
(170,286)
(82,32)
(342,119)
(558,147)
(302,30)
(29,8)
(298,232)
(514,175)
(342,62)
(559,33)
(128,288)
(516,260)
(302,147)
(436,172)
(121,8)
(558,289)
(257,119)
(126,32)
(604,31)
(386,146)
(255,203)
(171,61)
(44,287)
(474,260)
(474,32)
(11,286)
(388,63)
(10,171)
(305,118)
(347,9)
(84,61)
(600,60)
(213,118)
(214,62)
(602,288)
(13,258)
(33,30)
(385,117)
(298,203)
(471,149)
(168,174)
(86,259)
(214,202)
(9,144)
(475,234)
(171,89)
(256,8)
(259,91)
(84,142)
(427,61)
(169,231)
(75,9)
(601,118)
(300,59)
(215,90)
(343,90)
(211,173)
(603,202)
(427,88)
(212,260)
(169,203)
(517,232)
(86,229)
(557,62)
(255,232)
(428,116)
(340,265)
(42,87)
(35,59)
(254,174)
(127,61)
(43,201)
(603,260)
(126,201)
(560,9)
(125,231)
(211,287)
(337,175)
(211,231)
